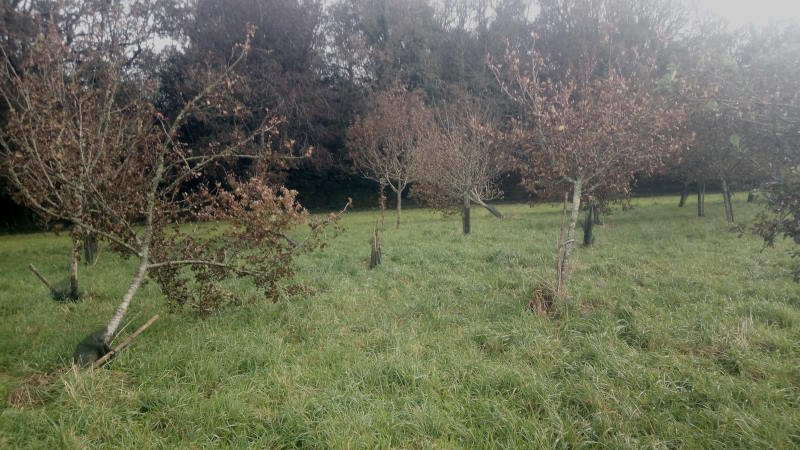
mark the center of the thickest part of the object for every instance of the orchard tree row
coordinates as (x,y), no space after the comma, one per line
(132,121)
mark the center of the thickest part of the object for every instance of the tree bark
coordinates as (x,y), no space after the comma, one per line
(726,199)
(560,259)
(74,292)
(701,199)
(126,299)
(751,196)
(399,205)
(465,215)
(576,210)
(684,194)
(104,359)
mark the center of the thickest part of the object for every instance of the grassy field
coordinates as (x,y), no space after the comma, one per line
(678,333)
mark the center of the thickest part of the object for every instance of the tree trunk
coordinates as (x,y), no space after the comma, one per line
(560,258)
(399,205)
(144,254)
(730,204)
(588,237)
(576,210)
(751,196)
(110,354)
(382,200)
(465,215)
(596,212)
(126,299)
(701,199)
(726,199)
(90,249)
(74,292)
(684,194)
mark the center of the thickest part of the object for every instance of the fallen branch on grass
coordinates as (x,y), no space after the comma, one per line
(42,278)
(124,343)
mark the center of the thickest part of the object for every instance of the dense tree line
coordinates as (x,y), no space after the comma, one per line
(319,65)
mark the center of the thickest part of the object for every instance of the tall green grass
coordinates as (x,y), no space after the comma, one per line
(677,333)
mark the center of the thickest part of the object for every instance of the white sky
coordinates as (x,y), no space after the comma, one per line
(760,12)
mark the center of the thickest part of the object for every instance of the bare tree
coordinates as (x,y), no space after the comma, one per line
(459,163)
(383,144)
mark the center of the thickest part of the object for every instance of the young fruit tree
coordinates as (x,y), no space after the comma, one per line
(142,190)
(36,148)
(459,163)
(586,132)
(384,143)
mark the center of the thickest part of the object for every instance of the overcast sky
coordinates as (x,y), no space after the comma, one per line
(761,12)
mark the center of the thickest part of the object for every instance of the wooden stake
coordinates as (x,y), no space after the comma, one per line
(41,277)
(375,248)
(124,343)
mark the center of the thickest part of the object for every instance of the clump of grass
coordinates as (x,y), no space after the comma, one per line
(543,300)
(33,391)
(62,293)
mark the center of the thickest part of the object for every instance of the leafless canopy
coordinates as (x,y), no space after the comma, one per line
(460,160)
(385,142)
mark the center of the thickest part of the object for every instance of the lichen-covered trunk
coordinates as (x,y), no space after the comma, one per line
(113,324)
(726,199)
(399,206)
(144,253)
(701,199)
(684,194)
(74,292)
(465,215)
(576,210)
